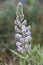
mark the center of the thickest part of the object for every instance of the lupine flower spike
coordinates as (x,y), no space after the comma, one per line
(23,33)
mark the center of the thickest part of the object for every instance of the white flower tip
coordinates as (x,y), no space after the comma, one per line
(20,3)
(29,27)
(15,22)
(26,40)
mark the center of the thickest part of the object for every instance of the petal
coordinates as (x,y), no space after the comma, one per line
(24,22)
(22,40)
(20,3)
(18,44)
(23,29)
(15,22)
(28,33)
(20,49)
(29,38)
(19,24)
(17,29)
(18,36)
(26,41)
(27,46)
(28,28)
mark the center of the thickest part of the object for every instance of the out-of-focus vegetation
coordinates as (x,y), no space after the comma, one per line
(35,18)
(33,57)
(33,12)
(7,16)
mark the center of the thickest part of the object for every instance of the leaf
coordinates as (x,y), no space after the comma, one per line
(19,55)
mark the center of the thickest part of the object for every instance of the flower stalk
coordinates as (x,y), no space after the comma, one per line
(23,33)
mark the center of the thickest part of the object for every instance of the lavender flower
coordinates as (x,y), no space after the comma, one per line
(22,40)
(18,36)
(26,46)
(18,44)
(23,33)
(29,38)
(23,29)
(28,33)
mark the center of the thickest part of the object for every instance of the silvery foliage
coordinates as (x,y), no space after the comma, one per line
(23,33)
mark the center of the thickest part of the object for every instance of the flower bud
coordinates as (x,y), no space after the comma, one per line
(19,12)
(26,40)
(17,29)
(28,28)
(15,22)
(19,4)
(23,29)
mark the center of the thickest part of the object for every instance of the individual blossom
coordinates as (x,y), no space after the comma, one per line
(29,38)
(28,33)
(19,24)
(28,28)
(18,44)
(24,22)
(22,40)
(26,46)
(20,49)
(17,36)
(23,29)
